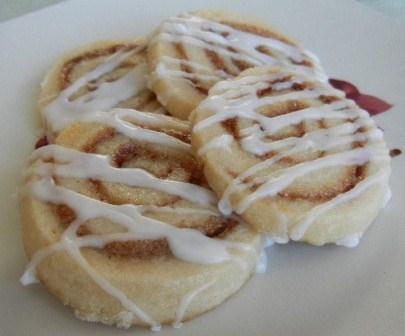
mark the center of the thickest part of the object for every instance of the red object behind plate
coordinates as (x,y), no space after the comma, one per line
(369,103)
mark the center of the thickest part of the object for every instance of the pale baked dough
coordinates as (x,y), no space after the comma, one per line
(185,63)
(145,271)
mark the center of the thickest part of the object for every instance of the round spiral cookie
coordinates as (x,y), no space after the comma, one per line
(191,52)
(118,225)
(98,76)
(292,156)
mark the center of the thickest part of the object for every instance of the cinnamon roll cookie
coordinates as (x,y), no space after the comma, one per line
(98,76)
(118,223)
(292,156)
(191,52)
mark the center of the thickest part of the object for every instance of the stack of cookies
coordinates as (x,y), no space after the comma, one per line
(171,162)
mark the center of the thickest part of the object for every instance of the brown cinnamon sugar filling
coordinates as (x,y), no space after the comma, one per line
(182,54)
(241,64)
(231,125)
(253,29)
(269,90)
(249,28)
(146,249)
(217,62)
(303,62)
(66,214)
(65,78)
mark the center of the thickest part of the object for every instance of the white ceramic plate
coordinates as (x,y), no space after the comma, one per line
(306,290)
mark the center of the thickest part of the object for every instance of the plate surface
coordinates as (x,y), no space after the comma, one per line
(306,290)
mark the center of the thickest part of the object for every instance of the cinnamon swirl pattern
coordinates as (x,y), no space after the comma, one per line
(98,76)
(119,225)
(191,52)
(292,156)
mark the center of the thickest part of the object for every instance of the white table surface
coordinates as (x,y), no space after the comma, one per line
(10,9)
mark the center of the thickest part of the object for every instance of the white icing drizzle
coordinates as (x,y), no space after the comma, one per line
(236,44)
(170,67)
(222,141)
(245,106)
(156,328)
(62,110)
(299,230)
(277,181)
(187,300)
(75,253)
(163,71)
(122,120)
(188,211)
(219,74)
(261,265)
(151,118)
(74,163)
(248,84)
(186,244)
(321,139)
(30,276)
(351,241)
(238,99)
(268,241)
(387,197)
